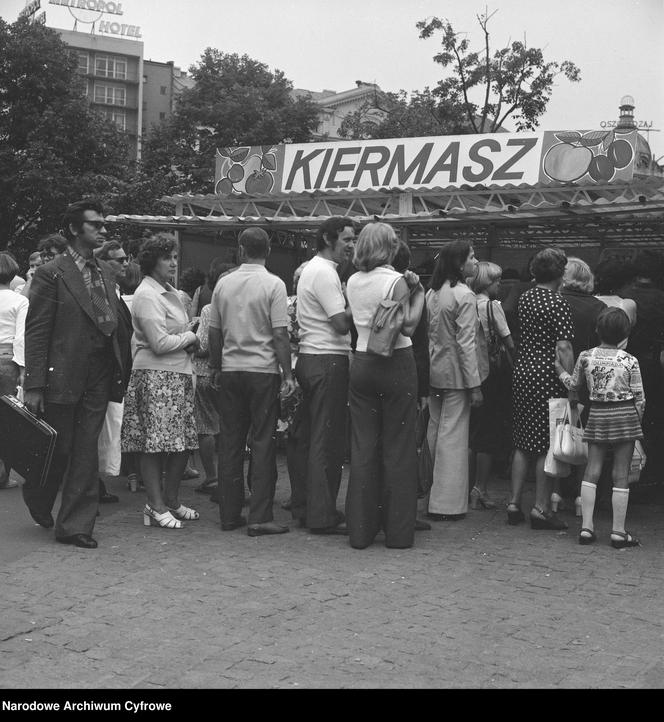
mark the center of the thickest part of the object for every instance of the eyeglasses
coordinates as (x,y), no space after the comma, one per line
(120,259)
(96,224)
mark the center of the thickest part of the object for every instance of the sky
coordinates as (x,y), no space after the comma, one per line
(329,44)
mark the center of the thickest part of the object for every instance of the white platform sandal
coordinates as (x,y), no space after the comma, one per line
(165,520)
(185,513)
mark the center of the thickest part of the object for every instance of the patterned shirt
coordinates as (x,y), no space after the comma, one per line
(610,374)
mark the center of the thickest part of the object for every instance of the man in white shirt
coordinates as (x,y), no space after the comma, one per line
(248,344)
(324,321)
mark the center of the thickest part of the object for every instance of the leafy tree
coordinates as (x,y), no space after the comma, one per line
(400,115)
(54,148)
(482,92)
(235,101)
(514,82)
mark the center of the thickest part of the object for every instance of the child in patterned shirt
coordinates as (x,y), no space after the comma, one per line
(613,378)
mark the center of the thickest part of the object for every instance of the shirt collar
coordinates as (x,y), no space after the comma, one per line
(78,259)
(327,260)
(156,286)
(253,266)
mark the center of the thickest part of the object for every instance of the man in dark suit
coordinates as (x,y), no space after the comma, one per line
(73,368)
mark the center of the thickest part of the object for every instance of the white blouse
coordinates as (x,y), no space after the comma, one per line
(13,310)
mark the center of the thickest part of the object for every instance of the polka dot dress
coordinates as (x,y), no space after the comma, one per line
(545,318)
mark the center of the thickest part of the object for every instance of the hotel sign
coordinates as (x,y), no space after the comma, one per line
(91,11)
(498,159)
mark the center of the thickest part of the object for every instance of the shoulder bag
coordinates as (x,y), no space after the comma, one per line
(499,359)
(387,323)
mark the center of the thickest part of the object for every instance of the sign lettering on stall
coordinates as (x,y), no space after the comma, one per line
(498,159)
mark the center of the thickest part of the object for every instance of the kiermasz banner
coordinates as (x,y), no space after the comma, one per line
(497,159)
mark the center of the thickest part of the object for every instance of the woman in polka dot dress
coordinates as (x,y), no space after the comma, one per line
(546,329)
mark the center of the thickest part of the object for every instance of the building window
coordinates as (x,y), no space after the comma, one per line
(162,116)
(119,117)
(82,62)
(109,66)
(145,78)
(110,94)
(162,90)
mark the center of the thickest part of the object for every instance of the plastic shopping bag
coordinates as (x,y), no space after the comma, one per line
(109,440)
(553,467)
(569,446)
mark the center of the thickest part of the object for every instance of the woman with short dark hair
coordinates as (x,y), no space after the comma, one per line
(547,330)
(159,420)
(455,378)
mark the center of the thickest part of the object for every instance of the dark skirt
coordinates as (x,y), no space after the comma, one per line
(612,422)
(206,406)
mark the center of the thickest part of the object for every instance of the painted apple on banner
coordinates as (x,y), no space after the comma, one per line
(246,170)
(595,155)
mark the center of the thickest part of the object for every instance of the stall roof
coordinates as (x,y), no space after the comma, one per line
(634,208)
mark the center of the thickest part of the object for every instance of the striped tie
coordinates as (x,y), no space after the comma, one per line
(103,312)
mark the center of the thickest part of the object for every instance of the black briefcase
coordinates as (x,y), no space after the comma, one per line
(26,442)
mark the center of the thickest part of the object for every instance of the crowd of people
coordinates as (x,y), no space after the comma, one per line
(136,374)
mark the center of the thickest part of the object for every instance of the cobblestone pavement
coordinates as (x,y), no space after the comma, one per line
(475,604)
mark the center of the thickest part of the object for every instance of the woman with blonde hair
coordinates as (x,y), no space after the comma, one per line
(382,490)
(489,422)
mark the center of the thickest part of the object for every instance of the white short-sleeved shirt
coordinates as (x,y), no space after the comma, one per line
(319,297)
(13,310)
(246,306)
(502,330)
(365,292)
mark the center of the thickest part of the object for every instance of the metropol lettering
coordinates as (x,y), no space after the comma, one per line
(101,6)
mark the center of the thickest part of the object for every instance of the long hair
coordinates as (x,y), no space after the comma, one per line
(449,267)
(376,246)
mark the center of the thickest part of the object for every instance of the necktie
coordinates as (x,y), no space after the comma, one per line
(103,312)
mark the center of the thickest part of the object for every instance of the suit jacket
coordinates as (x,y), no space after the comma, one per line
(453,326)
(125,331)
(60,331)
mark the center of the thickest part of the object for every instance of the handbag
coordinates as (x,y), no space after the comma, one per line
(387,323)
(499,359)
(569,445)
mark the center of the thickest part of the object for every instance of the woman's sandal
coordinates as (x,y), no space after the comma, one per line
(626,540)
(165,520)
(514,516)
(587,538)
(184,513)
(543,520)
(478,500)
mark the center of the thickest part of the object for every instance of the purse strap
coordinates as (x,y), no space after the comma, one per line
(406,295)
(493,332)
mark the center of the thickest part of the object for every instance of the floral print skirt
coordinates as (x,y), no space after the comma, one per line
(159,413)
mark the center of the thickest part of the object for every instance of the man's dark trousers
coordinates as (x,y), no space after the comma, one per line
(320,454)
(75,458)
(248,399)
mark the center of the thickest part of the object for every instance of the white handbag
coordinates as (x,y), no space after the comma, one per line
(569,445)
